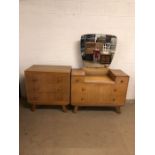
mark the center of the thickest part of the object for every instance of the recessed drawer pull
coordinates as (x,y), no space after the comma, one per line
(82,99)
(34,80)
(113,99)
(122,81)
(77,80)
(115,90)
(83,89)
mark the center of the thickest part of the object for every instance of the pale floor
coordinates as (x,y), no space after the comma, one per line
(91,131)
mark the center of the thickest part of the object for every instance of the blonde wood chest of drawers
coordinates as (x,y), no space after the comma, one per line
(48,85)
(98,87)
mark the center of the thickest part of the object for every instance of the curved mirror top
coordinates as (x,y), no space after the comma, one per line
(97,50)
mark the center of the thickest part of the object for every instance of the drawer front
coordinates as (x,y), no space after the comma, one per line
(122,80)
(92,94)
(77,79)
(99,94)
(48,98)
(47,79)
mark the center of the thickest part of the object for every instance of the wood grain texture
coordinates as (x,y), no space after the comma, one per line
(98,79)
(96,71)
(105,90)
(48,85)
(49,68)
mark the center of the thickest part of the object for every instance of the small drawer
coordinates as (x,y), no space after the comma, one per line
(77,79)
(122,80)
(34,80)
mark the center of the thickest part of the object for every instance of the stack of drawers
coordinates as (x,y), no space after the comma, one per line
(48,85)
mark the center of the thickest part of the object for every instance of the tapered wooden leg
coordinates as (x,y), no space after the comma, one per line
(118,109)
(75,109)
(33,107)
(64,109)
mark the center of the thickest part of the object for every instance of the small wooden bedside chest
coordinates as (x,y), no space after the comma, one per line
(48,85)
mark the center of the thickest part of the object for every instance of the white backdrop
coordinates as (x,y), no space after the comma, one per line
(50,31)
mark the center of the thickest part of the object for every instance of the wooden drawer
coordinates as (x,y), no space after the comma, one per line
(98,94)
(77,79)
(48,78)
(49,98)
(92,94)
(122,80)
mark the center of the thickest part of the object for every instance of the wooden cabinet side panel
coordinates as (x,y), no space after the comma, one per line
(121,89)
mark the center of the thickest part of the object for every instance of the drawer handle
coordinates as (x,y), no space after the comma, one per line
(34,80)
(83,89)
(115,90)
(122,81)
(77,80)
(113,99)
(82,99)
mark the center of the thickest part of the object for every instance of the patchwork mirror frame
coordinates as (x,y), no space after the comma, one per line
(97,50)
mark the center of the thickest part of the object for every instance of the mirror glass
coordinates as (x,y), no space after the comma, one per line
(97,50)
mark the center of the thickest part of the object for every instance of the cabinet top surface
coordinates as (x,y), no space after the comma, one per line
(49,68)
(118,72)
(97,71)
